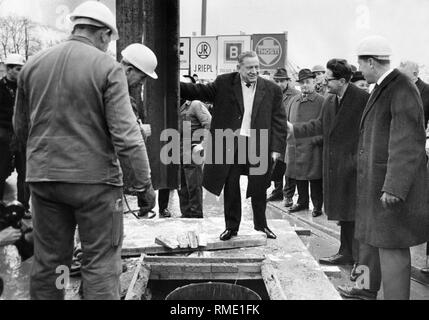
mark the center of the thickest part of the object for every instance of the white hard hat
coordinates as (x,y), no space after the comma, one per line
(142,58)
(96,14)
(15,59)
(375,46)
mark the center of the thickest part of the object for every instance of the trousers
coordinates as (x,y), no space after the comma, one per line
(97,210)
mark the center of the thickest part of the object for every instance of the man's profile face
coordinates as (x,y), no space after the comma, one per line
(249,69)
(135,76)
(367,70)
(334,84)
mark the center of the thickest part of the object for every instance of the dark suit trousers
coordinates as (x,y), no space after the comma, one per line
(163,199)
(316,187)
(288,190)
(232,201)
(349,245)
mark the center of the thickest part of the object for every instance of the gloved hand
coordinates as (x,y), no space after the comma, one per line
(147,198)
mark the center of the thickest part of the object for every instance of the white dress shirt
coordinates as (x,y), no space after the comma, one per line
(248,99)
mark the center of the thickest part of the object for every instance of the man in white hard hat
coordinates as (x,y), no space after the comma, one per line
(391,206)
(82,127)
(9,149)
(138,63)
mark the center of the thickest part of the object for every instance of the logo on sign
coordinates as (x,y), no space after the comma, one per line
(232,51)
(269,51)
(204,50)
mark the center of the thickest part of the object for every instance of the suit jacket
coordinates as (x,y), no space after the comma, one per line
(392,159)
(340,142)
(424,94)
(226,95)
(304,156)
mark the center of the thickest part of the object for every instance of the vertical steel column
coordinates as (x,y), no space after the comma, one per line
(157,23)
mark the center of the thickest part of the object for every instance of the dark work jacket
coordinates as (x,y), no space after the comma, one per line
(7,101)
(340,142)
(228,108)
(392,159)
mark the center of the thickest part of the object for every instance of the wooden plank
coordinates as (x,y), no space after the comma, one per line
(272,283)
(243,241)
(139,282)
(167,242)
(302,232)
(193,239)
(183,260)
(206,276)
(158,268)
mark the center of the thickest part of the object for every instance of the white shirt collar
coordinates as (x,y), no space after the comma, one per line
(384,76)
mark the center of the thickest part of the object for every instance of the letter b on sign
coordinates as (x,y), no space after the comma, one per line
(232,51)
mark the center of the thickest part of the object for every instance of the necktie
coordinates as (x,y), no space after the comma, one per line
(337,105)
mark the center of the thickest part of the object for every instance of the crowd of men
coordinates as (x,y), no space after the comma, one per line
(74,132)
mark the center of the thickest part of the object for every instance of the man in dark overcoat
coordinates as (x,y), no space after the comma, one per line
(391,212)
(339,124)
(251,107)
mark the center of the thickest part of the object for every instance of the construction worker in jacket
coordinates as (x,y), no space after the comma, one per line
(81,131)
(138,63)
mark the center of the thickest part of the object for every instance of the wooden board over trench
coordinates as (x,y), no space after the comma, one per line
(300,276)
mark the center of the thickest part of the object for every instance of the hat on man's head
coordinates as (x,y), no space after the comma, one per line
(305,74)
(375,46)
(281,74)
(357,76)
(318,68)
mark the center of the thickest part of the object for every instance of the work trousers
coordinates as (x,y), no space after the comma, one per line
(316,187)
(97,210)
(289,187)
(392,267)
(191,191)
(163,199)
(232,201)
(349,245)
(7,161)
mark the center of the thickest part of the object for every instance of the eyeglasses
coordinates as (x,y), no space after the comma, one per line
(331,79)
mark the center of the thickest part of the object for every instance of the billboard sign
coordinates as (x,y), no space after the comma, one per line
(185,53)
(230,47)
(271,49)
(204,57)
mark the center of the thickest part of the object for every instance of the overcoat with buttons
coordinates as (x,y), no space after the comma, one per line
(340,143)
(228,109)
(392,159)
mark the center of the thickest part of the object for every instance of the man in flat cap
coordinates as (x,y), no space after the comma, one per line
(284,82)
(320,76)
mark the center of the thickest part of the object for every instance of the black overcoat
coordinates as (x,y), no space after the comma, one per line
(340,143)
(268,113)
(392,159)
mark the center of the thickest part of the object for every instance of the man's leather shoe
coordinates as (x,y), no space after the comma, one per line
(268,232)
(275,197)
(298,207)
(354,275)
(227,234)
(335,260)
(288,202)
(356,293)
(165,214)
(316,213)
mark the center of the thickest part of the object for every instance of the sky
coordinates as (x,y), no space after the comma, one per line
(317,29)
